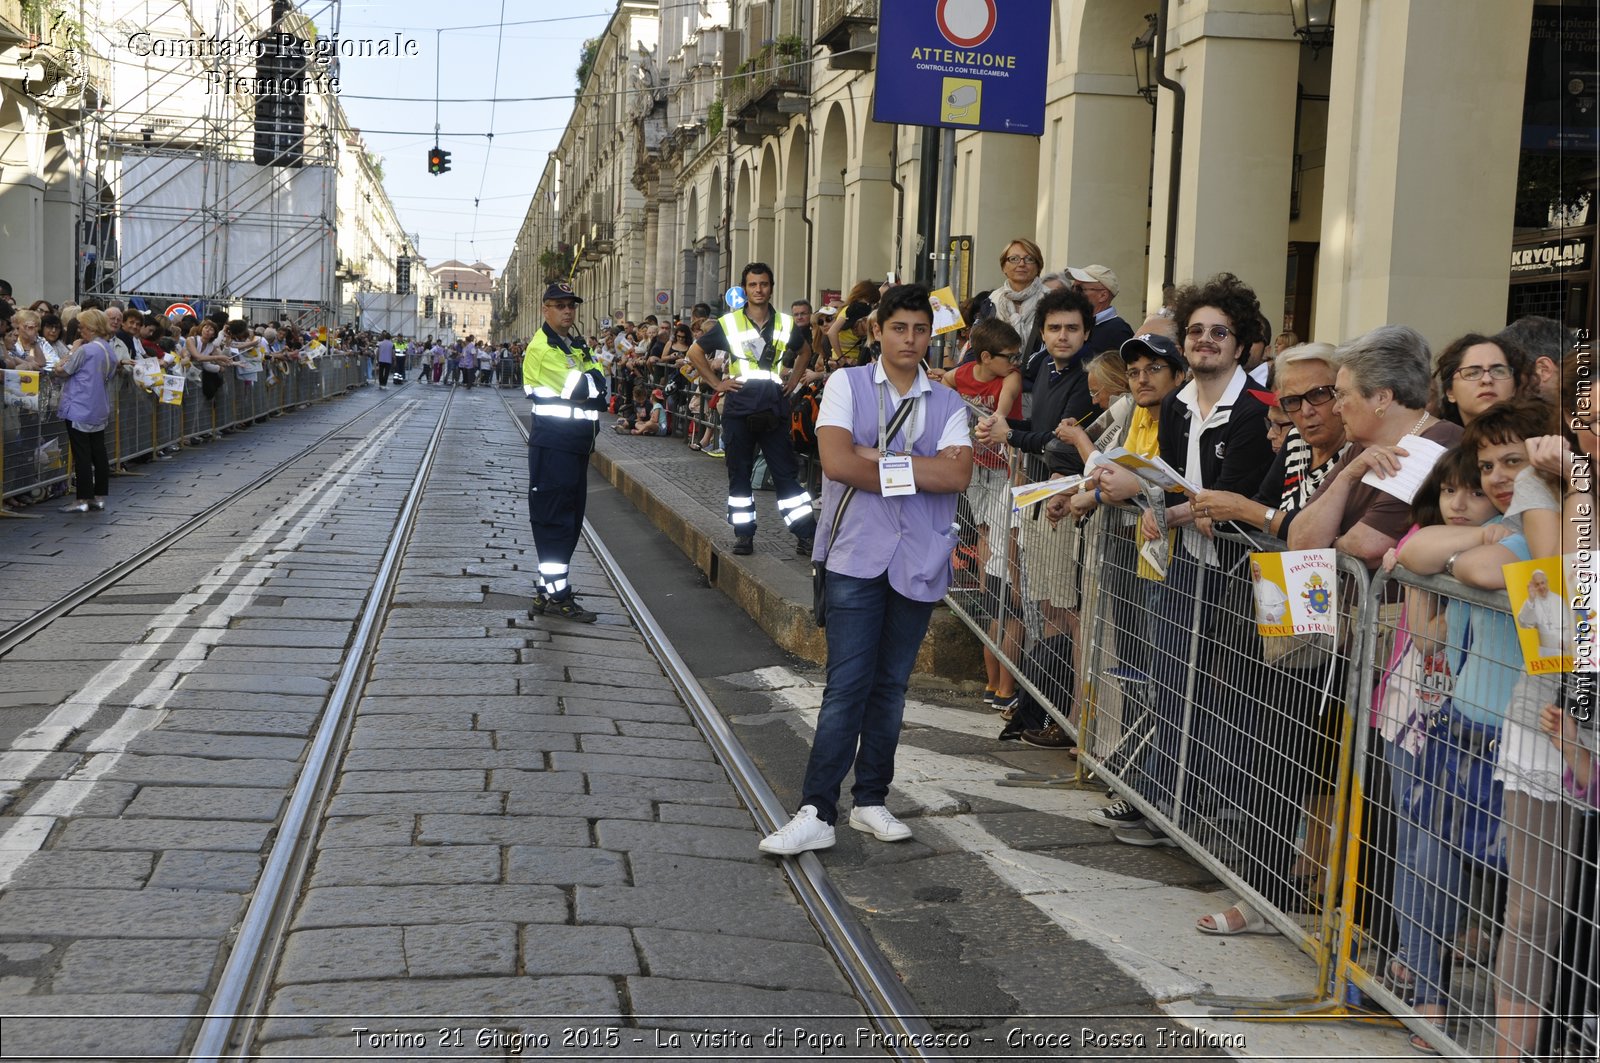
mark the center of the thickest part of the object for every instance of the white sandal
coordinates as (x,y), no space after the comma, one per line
(1222,926)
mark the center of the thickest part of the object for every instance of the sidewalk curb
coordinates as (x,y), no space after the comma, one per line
(950,651)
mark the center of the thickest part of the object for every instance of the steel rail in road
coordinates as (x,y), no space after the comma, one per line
(248,970)
(906,1033)
(20,632)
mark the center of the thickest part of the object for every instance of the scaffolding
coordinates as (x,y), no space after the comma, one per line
(200,187)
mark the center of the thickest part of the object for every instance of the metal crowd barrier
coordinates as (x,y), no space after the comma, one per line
(34,455)
(1407,877)
(1483,932)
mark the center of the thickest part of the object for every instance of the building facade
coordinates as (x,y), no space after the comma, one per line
(466,298)
(1382,165)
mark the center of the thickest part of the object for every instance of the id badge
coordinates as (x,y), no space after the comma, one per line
(894,475)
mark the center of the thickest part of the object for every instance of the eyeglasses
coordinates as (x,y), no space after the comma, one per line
(1498,371)
(1279,426)
(1149,372)
(1019,260)
(561,306)
(1217,332)
(1316,397)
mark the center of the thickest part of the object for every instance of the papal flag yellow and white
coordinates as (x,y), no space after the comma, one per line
(22,389)
(1294,592)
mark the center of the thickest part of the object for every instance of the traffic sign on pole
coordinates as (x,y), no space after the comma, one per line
(963,64)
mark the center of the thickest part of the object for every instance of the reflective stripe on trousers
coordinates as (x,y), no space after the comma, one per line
(795,508)
(552,577)
(741,510)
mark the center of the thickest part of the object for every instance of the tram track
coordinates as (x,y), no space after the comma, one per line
(246,977)
(898,1019)
(25,629)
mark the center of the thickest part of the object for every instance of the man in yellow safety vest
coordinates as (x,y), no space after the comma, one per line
(761,343)
(568,389)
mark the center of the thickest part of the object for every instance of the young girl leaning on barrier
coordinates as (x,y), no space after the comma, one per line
(1450,773)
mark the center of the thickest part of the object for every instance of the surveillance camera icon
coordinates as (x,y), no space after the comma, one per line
(961,100)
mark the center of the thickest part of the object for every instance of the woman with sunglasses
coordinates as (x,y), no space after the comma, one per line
(1316,441)
(1297,753)
(1475,372)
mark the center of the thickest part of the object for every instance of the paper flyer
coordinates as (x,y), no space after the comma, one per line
(1154,470)
(147,373)
(1421,456)
(22,389)
(1542,609)
(172,389)
(1027,495)
(946,311)
(1294,592)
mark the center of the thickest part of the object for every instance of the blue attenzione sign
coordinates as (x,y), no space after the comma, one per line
(963,64)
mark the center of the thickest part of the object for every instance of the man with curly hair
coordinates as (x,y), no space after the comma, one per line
(1214,431)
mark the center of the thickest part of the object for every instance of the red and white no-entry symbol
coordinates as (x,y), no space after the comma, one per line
(967,23)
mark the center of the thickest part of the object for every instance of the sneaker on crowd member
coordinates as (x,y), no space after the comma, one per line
(1118,814)
(879,822)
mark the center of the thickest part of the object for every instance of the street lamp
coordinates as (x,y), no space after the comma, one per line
(1144,59)
(1313,22)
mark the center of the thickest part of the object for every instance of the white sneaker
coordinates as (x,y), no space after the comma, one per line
(879,822)
(802,833)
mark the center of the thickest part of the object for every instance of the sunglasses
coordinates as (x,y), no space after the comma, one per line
(1217,332)
(1316,397)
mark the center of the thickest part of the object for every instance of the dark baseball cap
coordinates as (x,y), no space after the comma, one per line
(1150,343)
(561,290)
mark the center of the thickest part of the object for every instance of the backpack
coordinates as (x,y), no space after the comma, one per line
(803,410)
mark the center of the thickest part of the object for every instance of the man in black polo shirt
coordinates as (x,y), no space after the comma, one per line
(755,407)
(1060,388)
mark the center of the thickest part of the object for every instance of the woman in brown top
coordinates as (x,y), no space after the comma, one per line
(1381,392)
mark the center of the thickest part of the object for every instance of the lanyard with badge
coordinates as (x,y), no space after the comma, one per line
(894,470)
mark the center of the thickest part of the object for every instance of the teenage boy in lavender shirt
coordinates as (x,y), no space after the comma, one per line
(887,567)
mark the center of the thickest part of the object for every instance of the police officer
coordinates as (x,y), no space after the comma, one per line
(568,389)
(401,347)
(755,405)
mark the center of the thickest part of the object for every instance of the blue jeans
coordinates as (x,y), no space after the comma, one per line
(874,633)
(1427,879)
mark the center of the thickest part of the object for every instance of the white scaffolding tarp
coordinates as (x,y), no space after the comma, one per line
(388,312)
(208,227)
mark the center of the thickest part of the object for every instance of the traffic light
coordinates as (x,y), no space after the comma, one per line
(438,161)
(455,286)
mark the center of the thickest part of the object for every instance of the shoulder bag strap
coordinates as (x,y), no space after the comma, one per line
(895,424)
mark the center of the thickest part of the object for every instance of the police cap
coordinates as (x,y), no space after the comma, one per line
(560,290)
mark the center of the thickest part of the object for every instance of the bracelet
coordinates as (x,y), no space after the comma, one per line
(1097,496)
(1450,565)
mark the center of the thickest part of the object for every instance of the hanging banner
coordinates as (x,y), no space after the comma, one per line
(963,64)
(1294,592)
(172,389)
(1547,612)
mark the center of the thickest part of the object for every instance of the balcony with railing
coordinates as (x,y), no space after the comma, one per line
(769,85)
(845,27)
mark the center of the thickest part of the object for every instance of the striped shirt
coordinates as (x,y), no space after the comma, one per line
(1300,479)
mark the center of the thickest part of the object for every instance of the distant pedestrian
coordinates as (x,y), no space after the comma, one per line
(86,407)
(385,361)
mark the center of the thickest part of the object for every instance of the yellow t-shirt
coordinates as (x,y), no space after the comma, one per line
(1142,439)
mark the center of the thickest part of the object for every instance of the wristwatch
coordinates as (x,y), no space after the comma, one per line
(1266,522)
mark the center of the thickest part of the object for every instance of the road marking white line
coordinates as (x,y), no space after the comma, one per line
(147,708)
